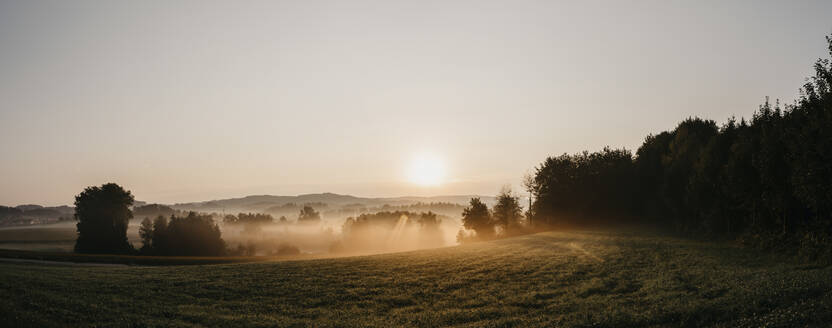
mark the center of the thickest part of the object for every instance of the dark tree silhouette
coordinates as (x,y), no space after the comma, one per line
(766,181)
(308,215)
(253,222)
(507,212)
(582,188)
(529,186)
(689,140)
(160,244)
(382,219)
(146,234)
(429,221)
(193,235)
(103,214)
(476,217)
(429,232)
(649,171)
(153,210)
(371,231)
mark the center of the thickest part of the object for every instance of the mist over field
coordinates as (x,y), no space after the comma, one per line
(400,230)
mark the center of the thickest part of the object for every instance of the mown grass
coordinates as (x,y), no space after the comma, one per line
(577,279)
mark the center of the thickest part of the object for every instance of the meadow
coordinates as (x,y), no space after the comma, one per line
(58,237)
(579,279)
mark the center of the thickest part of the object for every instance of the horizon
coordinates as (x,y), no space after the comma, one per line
(137,199)
(189,101)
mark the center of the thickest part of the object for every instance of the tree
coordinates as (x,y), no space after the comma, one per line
(584,187)
(812,155)
(160,237)
(530,187)
(308,215)
(252,222)
(507,212)
(146,234)
(193,235)
(710,176)
(230,219)
(103,214)
(429,221)
(429,232)
(689,140)
(650,172)
(152,210)
(476,217)
(767,181)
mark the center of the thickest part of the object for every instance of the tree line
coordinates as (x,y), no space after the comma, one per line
(191,235)
(103,214)
(389,230)
(766,180)
(505,219)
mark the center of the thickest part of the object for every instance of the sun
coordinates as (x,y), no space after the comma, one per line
(426,170)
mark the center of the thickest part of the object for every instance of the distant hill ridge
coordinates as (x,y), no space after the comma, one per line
(259,202)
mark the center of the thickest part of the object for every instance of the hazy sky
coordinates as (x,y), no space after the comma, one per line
(183,101)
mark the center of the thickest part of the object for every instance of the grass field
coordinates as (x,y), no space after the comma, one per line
(75,258)
(53,238)
(59,237)
(579,279)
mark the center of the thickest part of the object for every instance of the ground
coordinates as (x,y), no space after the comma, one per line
(573,279)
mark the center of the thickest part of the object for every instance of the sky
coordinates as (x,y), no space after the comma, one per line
(197,100)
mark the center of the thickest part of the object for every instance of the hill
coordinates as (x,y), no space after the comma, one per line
(335,204)
(602,279)
(258,203)
(34,214)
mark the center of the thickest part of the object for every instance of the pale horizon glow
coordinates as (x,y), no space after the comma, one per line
(426,169)
(197,100)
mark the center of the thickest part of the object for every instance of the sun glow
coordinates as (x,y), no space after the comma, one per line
(426,170)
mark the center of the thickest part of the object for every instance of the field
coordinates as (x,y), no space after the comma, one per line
(52,238)
(580,279)
(59,237)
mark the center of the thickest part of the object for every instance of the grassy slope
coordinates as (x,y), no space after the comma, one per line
(551,279)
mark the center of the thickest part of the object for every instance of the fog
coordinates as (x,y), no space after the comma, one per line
(364,234)
(335,234)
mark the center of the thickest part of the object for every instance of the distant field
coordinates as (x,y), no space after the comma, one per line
(550,279)
(58,237)
(10,255)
